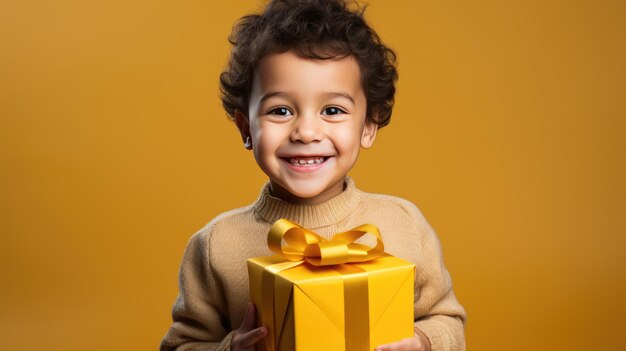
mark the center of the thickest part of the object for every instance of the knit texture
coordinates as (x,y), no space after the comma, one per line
(213,278)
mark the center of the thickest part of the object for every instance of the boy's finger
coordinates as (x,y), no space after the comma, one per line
(250,338)
(390,347)
(402,345)
(249,319)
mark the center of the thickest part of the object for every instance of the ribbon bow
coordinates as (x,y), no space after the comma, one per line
(305,245)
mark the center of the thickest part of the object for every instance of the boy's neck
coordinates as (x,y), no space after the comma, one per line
(283,194)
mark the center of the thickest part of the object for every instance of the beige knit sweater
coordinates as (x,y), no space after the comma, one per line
(213,279)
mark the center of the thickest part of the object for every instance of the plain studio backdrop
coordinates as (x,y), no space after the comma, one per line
(508,133)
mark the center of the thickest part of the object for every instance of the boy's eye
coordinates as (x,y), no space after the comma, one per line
(281,111)
(332,110)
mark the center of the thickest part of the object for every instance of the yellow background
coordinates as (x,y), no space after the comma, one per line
(508,133)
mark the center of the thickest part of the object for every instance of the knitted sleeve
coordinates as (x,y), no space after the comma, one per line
(198,313)
(437,312)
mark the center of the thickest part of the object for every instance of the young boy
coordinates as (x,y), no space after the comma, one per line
(308,84)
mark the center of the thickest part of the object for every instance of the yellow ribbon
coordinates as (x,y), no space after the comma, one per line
(304,245)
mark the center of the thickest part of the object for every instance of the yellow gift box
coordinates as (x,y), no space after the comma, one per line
(331,295)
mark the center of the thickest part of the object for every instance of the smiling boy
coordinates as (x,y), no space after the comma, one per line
(308,85)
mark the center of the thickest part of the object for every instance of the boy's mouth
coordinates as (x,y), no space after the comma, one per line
(305,161)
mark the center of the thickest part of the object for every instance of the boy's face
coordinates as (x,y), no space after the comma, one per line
(307,123)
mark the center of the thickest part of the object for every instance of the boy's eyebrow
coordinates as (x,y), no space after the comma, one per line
(282,93)
(271,94)
(345,95)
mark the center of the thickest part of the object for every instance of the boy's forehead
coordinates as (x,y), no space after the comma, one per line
(289,71)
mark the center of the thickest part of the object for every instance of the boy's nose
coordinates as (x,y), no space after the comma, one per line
(307,129)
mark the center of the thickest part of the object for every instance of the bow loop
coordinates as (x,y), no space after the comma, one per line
(303,244)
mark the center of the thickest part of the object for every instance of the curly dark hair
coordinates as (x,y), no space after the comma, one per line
(318,29)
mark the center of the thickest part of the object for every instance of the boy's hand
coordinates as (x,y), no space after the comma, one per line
(419,342)
(248,334)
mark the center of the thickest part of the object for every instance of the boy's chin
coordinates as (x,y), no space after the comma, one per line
(304,191)
(305,194)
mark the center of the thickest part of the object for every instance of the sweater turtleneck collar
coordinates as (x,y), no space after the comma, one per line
(271,208)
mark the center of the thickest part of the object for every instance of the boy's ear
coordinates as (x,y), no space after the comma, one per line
(369,134)
(244,128)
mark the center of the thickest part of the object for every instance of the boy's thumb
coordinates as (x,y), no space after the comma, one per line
(249,319)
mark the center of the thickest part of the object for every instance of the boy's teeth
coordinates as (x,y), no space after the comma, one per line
(306,161)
